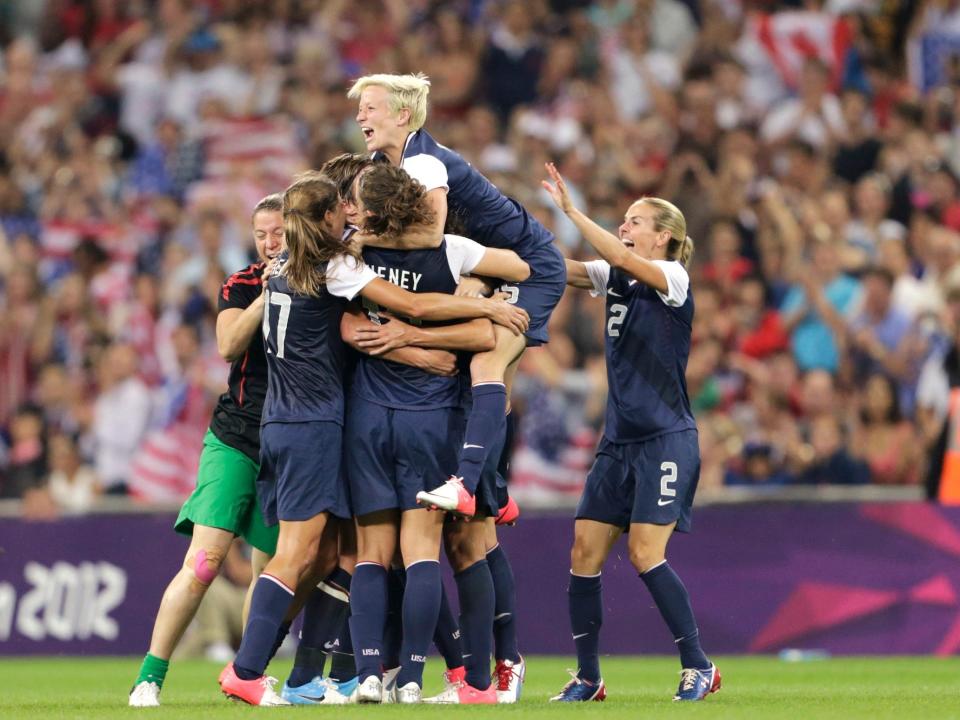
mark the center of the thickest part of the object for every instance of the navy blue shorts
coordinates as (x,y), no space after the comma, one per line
(647,482)
(394,454)
(539,293)
(300,471)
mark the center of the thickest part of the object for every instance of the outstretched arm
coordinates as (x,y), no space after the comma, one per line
(607,245)
(577,275)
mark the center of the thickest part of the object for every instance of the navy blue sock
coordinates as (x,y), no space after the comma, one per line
(282,633)
(475,588)
(368,614)
(506,454)
(323,616)
(447,635)
(342,663)
(504,592)
(421,604)
(393,630)
(674,604)
(270,602)
(585,599)
(484,427)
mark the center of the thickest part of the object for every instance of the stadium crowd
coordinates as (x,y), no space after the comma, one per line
(813,146)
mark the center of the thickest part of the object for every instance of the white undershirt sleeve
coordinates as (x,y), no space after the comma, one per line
(346,277)
(427,170)
(463,254)
(599,272)
(678,282)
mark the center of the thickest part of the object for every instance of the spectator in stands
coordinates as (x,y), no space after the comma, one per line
(72,484)
(120,417)
(882,438)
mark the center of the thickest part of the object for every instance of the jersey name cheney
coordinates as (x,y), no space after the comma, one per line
(407,279)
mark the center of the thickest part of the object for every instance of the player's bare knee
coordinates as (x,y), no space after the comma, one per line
(584,559)
(644,557)
(204,565)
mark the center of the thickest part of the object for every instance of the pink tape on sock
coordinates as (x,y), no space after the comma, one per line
(202,570)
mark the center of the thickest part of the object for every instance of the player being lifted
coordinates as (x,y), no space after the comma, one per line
(300,483)
(648,462)
(391,114)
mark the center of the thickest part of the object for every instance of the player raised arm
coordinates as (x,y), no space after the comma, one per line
(624,252)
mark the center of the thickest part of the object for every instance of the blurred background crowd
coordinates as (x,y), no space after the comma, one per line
(814,147)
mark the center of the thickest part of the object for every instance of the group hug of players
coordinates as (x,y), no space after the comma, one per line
(372,356)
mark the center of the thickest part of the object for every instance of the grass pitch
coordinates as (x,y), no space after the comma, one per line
(753,687)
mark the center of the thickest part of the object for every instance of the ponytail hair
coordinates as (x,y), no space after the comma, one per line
(681,251)
(394,201)
(309,244)
(669,218)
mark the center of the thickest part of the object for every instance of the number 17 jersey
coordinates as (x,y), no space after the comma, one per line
(305,354)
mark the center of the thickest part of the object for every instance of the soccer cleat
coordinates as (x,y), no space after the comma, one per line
(258,691)
(464,694)
(390,683)
(310,693)
(145,694)
(580,690)
(508,677)
(409,694)
(509,513)
(341,692)
(697,684)
(454,676)
(369,691)
(452,496)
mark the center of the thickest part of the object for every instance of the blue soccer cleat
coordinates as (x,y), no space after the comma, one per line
(310,693)
(697,684)
(580,690)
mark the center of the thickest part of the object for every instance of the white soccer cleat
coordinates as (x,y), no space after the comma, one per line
(145,694)
(452,496)
(390,684)
(508,677)
(369,691)
(409,694)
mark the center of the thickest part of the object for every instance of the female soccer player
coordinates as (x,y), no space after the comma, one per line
(391,114)
(648,462)
(301,433)
(404,426)
(224,504)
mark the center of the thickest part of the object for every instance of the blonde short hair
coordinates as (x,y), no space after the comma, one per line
(406,91)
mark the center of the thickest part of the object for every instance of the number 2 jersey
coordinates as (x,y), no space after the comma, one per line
(647,343)
(305,354)
(236,418)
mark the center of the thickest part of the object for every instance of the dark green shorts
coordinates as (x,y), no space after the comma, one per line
(226,496)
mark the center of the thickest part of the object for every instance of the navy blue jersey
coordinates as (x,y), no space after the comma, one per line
(305,355)
(491,218)
(435,270)
(647,345)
